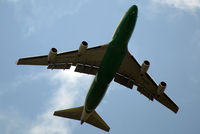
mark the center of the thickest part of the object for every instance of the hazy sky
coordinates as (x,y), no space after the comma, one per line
(167,34)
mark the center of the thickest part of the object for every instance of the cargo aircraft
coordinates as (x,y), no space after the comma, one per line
(106,62)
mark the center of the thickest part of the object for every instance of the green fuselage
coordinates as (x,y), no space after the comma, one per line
(112,59)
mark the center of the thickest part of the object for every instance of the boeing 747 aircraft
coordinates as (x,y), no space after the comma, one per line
(106,62)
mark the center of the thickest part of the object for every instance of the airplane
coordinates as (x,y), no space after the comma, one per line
(106,62)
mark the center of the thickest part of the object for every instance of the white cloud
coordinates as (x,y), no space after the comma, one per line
(66,94)
(189,5)
(65,97)
(45,124)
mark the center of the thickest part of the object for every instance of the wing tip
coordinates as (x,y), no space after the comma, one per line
(17,62)
(58,113)
(108,129)
(54,113)
(176,111)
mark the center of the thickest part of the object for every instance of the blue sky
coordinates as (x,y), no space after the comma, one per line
(167,34)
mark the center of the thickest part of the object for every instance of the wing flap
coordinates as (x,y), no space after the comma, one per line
(124,81)
(145,93)
(59,66)
(87,69)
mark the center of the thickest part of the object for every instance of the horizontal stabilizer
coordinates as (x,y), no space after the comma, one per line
(75,113)
(72,113)
(97,121)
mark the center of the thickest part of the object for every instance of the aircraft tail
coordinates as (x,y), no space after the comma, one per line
(76,113)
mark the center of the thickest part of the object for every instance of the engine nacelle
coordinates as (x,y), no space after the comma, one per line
(144,67)
(82,48)
(52,55)
(161,88)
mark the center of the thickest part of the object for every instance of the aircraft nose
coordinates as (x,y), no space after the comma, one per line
(134,10)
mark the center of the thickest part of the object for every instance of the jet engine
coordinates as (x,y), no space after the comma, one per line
(82,48)
(144,67)
(161,88)
(52,55)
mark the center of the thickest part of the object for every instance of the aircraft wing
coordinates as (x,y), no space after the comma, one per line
(87,63)
(129,74)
